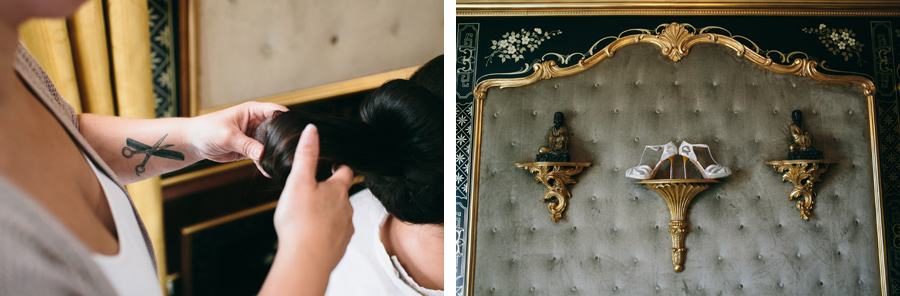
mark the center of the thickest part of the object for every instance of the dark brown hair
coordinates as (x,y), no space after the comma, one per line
(397,145)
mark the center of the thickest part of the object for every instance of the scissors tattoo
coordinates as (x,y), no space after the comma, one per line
(135,147)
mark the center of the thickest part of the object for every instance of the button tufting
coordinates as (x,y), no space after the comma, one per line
(781,284)
(574,289)
(532,289)
(636,139)
(615,288)
(741,227)
(574,227)
(534,112)
(775,111)
(556,85)
(760,256)
(493,289)
(850,112)
(741,286)
(715,83)
(616,111)
(676,82)
(597,85)
(496,114)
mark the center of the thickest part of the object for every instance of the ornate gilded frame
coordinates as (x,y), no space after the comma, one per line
(675,42)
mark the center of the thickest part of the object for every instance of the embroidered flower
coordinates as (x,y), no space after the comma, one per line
(840,42)
(525,39)
(513,45)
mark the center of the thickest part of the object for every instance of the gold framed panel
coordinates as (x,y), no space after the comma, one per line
(674,42)
(190,69)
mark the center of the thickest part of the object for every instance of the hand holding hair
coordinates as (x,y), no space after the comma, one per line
(313,223)
(228,135)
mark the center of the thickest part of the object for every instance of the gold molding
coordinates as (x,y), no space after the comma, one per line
(187,177)
(755,8)
(329,90)
(228,218)
(549,70)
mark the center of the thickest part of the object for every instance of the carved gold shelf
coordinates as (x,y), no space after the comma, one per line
(678,194)
(555,176)
(802,173)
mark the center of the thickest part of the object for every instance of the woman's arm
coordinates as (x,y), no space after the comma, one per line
(313,222)
(137,149)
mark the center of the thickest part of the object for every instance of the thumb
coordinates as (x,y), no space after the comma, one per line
(306,157)
(247,146)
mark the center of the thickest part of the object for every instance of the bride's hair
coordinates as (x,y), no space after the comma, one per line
(397,146)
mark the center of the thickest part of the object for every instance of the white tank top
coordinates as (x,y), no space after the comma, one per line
(130,271)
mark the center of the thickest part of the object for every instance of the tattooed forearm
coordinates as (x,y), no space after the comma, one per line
(134,147)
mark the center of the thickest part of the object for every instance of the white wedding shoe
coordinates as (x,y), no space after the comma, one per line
(644,172)
(713,171)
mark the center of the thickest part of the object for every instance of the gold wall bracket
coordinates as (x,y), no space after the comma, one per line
(678,194)
(555,176)
(802,173)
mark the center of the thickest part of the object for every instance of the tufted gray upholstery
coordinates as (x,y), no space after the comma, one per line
(745,237)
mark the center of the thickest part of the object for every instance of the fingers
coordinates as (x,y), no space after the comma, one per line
(342,177)
(306,157)
(247,146)
(264,110)
(261,170)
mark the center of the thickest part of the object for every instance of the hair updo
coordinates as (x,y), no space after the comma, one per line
(397,146)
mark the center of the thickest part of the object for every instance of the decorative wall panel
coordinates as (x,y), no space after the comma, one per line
(641,96)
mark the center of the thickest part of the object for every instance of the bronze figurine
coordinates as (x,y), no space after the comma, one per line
(801,142)
(558,142)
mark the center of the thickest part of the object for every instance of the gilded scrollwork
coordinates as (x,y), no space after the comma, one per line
(802,174)
(555,176)
(675,41)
